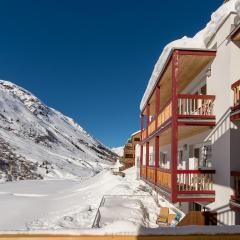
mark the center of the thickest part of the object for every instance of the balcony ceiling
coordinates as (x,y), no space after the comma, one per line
(183,132)
(191,63)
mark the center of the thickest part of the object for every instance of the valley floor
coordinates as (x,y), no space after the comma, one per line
(72,204)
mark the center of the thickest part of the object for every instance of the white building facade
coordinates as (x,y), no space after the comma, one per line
(190,128)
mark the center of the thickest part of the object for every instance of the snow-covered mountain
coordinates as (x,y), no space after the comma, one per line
(39,142)
(118,151)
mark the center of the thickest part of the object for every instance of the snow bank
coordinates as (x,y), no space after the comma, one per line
(200,40)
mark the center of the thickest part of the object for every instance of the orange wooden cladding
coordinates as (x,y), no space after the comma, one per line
(151,127)
(165,114)
(144,134)
(143,171)
(163,179)
(151,174)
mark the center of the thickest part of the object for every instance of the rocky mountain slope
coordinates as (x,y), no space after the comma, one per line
(39,142)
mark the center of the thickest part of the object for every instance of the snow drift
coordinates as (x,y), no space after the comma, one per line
(39,142)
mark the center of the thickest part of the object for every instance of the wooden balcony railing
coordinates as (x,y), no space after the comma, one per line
(195,105)
(144,134)
(195,180)
(163,178)
(143,171)
(236,93)
(151,174)
(189,106)
(151,127)
(165,114)
(236,181)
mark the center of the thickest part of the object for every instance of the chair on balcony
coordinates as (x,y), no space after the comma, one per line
(163,216)
(171,217)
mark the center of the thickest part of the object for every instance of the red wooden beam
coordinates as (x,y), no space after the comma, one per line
(174,145)
(142,124)
(156,156)
(235,173)
(157,106)
(196,96)
(237,107)
(141,157)
(194,123)
(147,157)
(195,200)
(196,192)
(236,84)
(148,117)
(197,53)
(197,116)
(235,117)
(199,171)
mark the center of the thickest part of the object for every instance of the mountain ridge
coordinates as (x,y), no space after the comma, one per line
(43,141)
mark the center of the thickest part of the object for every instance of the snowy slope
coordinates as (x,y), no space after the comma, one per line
(200,40)
(39,142)
(118,151)
(72,204)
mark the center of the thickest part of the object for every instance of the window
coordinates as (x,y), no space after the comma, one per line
(163,159)
(180,157)
(151,159)
(203,154)
(203,90)
(136,139)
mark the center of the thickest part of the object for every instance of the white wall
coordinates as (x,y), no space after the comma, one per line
(225,153)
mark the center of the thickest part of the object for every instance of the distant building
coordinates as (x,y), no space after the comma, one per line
(128,159)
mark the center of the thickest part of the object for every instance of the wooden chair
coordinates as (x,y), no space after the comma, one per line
(171,217)
(163,216)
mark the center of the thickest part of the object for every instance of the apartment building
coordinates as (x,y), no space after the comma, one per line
(190,126)
(129,150)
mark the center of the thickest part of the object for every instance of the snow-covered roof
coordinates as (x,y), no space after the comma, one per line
(135,133)
(199,41)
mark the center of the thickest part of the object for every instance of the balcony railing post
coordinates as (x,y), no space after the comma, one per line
(156,163)
(174,145)
(157,106)
(142,125)
(147,157)
(148,118)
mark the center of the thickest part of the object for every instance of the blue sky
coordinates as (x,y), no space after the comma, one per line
(92,59)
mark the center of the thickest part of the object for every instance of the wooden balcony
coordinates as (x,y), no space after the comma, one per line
(143,172)
(235,110)
(192,185)
(165,114)
(144,134)
(193,107)
(151,174)
(129,160)
(151,127)
(195,184)
(235,198)
(193,110)
(164,178)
